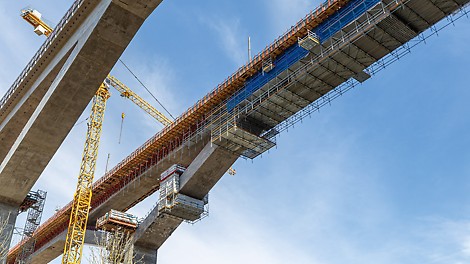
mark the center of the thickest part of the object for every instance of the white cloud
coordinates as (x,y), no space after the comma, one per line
(230,36)
(230,235)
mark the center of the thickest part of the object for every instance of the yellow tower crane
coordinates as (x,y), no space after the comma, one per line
(82,198)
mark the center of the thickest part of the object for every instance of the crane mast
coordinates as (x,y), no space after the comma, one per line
(82,198)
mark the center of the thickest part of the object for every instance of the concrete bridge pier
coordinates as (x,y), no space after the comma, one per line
(145,255)
(8,214)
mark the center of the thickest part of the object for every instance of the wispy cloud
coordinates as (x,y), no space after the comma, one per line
(159,77)
(229,33)
(448,240)
(245,239)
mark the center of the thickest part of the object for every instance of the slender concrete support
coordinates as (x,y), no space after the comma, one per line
(145,255)
(8,214)
(36,120)
(206,170)
(55,247)
(198,179)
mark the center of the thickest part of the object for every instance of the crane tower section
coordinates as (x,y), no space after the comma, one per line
(82,198)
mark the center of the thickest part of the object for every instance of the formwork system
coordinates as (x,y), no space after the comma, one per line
(357,41)
(349,42)
(114,219)
(175,204)
(33,220)
(117,242)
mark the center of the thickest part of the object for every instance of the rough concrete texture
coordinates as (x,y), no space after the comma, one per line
(8,215)
(198,179)
(37,125)
(155,230)
(57,245)
(133,191)
(206,170)
(145,255)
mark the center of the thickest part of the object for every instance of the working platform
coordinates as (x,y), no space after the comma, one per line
(355,39)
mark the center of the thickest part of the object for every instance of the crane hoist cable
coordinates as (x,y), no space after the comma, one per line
(143,85)
(136,99)
(122,123)
(82,198)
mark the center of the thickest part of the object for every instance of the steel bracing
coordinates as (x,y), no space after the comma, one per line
(32,223)
(363,39)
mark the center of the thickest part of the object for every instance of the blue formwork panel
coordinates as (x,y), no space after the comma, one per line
(353,10)
(254,83)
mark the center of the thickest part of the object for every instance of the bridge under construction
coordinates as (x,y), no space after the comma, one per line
(334,48)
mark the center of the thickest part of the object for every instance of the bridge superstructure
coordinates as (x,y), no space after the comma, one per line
(44,102)
(334,48)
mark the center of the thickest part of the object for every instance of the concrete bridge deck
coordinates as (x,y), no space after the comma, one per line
(48,97)
(339,59)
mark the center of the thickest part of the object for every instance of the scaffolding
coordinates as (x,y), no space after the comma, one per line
(210,114)
(310,41)
(119,229)
(303,83)
(175,204)
(114,219)
(32,222)
(268,65)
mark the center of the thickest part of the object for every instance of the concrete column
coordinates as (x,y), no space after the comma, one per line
(8,214)
(145,255)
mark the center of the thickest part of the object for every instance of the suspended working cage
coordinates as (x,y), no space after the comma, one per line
(173,203)
(113,220)
(244,143)
(174,169)
(268,65)
(310,41)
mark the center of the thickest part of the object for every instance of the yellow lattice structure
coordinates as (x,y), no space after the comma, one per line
(82,198)
(129,94)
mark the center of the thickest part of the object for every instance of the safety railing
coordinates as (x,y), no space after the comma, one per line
(75,6)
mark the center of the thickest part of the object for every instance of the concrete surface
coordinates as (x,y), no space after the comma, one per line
(8,214)
(36,126)
(92,237)
(184,155)
(198,179)
(145,255)
(32,130)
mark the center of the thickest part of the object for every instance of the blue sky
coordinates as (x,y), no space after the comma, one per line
(381,176)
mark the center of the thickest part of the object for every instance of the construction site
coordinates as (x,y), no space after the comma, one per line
(129,204)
